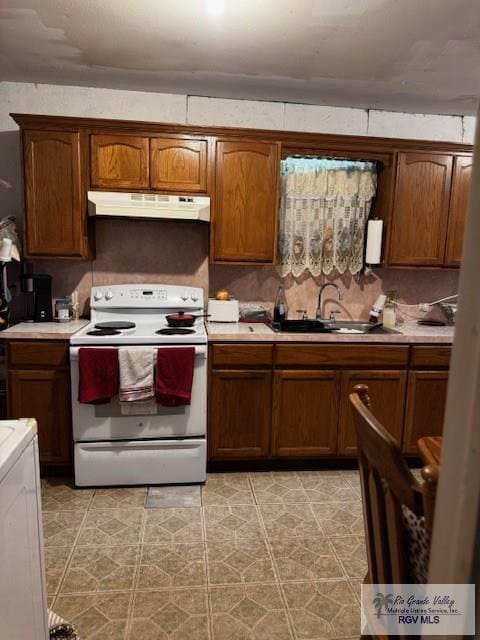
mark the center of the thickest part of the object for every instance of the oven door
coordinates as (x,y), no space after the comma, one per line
(93,423)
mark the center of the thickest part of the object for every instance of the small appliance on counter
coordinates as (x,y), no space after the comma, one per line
(64,311)
(39,286)
(222,308)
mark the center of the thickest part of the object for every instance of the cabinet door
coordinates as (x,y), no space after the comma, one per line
(119,162)
(420,211)
(246,202)
(45,396)
(55,205)
(387,393)
(426,398)
(305,413)
(178,165)
(462,172)
(240,414)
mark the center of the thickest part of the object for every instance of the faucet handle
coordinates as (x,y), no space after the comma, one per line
(304,314)
(332,317)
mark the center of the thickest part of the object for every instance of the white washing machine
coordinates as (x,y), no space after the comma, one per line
(23,601)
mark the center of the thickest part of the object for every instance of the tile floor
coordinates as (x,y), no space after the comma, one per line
(266,556)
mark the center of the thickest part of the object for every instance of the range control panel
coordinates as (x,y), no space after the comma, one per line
(146,296)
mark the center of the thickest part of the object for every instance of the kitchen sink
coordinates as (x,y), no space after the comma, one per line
(301,326)
(340,326)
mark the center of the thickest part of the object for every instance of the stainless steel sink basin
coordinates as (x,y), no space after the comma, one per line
(340,326)
(301,326)
(356,326)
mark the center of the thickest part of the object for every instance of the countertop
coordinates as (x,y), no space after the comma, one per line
(43,330)
(410,333)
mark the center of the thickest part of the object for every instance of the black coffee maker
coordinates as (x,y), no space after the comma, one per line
(39,288)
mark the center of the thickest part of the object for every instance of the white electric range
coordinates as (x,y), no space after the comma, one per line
(168,447)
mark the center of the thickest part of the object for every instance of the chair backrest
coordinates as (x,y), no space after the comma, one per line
(394,503)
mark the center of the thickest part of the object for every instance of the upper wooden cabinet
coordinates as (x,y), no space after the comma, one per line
(139,162)
(119,162)
(55,195)
(462,171)
(420,212)
(246,201)
(429,210)
(422,189)
(178,164)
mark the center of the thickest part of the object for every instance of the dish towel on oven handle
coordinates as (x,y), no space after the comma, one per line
(97,374)
(173,381)
(137,393)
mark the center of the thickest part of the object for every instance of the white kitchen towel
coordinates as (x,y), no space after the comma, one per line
(137,393)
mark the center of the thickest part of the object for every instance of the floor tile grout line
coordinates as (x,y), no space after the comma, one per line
(188,588)
(129,614)
(207,575)
(277,574)
(340,560)
(141,543)
(300,580)
(70,555)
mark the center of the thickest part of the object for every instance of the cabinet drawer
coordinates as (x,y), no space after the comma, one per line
(227,355)
(41,353)
(327,355)
(428,357)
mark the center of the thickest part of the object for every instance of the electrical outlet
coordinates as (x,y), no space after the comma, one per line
(424,307)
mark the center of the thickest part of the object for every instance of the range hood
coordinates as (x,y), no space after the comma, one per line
(148,205)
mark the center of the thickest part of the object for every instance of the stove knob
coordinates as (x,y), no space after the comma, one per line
(108,295)
(98,295)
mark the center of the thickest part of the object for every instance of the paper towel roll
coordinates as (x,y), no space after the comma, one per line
(374,242)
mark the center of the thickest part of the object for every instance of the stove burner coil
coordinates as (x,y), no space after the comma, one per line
(103,332)
(175,331)
(115,325)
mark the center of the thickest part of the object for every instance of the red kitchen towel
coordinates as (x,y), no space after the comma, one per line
(98,375)
(173,380)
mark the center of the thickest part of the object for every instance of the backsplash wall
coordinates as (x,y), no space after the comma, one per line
(164,252)
(130,251)
(260,284)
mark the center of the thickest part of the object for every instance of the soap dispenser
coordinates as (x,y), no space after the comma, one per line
(280,310)
(390,311)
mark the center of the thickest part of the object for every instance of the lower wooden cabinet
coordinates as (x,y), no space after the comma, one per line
(239,414)
(292,401)
(387,393)
(305,413)
(426,398)
(39,387)
(45,396)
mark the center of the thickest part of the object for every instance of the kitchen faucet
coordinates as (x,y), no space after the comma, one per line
(318,314)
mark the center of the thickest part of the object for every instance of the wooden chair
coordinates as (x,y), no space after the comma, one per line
(397,510)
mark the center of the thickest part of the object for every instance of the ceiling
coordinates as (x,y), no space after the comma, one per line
(402,55)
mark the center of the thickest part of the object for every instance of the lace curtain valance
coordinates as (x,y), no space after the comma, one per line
(323,212)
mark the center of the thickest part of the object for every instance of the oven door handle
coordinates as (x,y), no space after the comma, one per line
(200,351)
